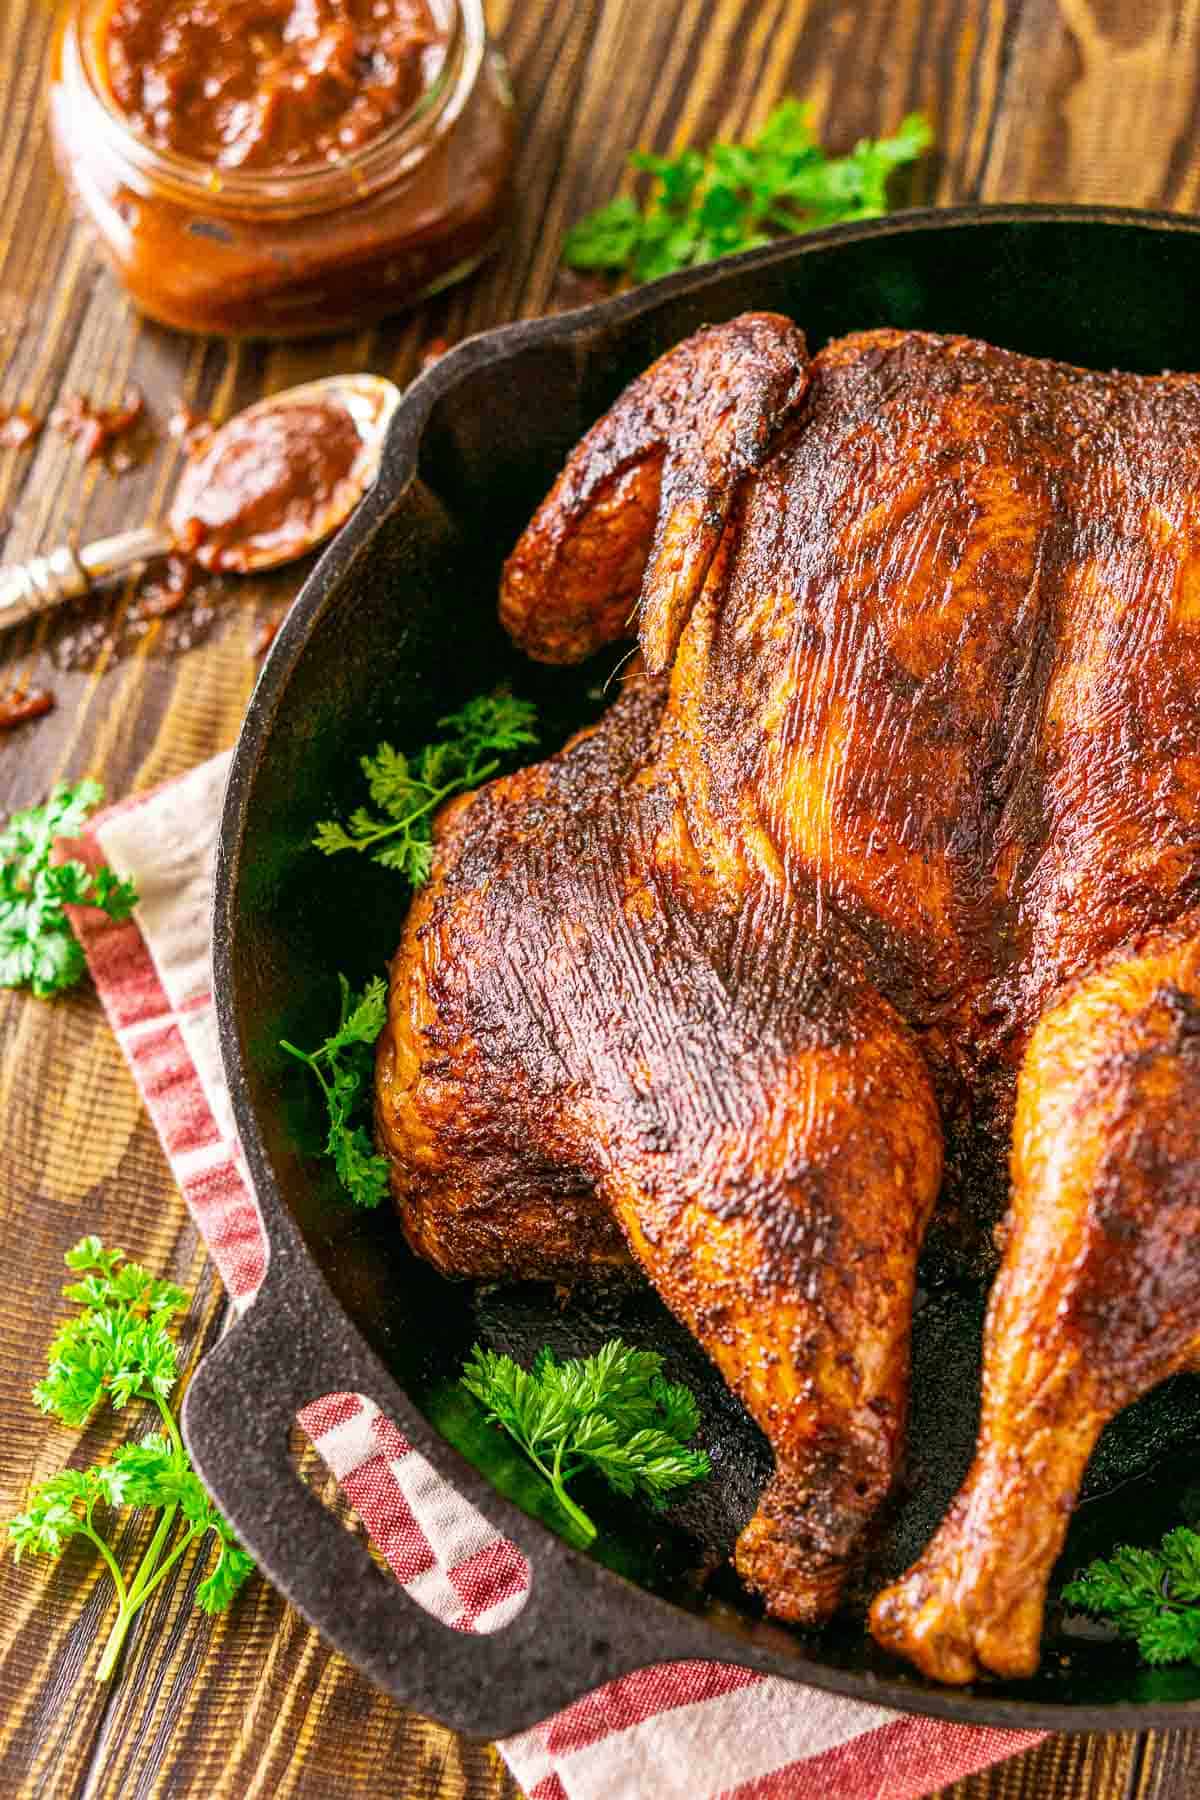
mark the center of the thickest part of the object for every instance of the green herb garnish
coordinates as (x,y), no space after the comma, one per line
(38,949)
(736,196)
(117,1349)
(612,1413)
(408,789)
(1152,1596)
(343,1065)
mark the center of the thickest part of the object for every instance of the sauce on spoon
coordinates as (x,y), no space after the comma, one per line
(263,482)
(279,477)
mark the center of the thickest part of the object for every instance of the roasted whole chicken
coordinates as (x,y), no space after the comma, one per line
(890,842)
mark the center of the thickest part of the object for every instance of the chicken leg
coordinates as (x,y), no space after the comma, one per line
(1098,1299)
(782,1226)
(746,1114)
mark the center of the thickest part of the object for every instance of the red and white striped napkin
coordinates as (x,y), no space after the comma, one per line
(695,1731)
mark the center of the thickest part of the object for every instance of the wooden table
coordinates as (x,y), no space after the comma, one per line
(1084,100)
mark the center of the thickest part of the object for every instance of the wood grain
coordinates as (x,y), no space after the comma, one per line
(1032,99)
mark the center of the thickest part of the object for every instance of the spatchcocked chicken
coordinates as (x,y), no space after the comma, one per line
(894,825)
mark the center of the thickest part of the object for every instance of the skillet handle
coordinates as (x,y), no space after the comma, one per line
(580,1626)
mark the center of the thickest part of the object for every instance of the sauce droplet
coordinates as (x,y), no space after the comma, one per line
(22,704)
(19,428)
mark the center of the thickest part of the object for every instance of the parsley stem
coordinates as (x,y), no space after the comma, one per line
(312,1060)
(132,1598)
(91,1532)
(168,1419)
(572,1511)
(303,1056)
(554,1477)
(146,1567)
(116,1639)
(460,783)
(168,1563)
(575,1513)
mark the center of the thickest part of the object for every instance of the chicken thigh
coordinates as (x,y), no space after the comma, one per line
(900,800)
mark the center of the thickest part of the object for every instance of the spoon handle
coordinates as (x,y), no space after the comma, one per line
(44,582)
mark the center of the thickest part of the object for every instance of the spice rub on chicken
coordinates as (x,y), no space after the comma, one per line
(896,823)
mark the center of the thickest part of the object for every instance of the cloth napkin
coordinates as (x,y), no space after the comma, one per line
(679,1731)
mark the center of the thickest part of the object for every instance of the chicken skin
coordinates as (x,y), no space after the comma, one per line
(895,824)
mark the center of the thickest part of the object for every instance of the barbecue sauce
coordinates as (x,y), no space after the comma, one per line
(22,704)
(268,84)
(278,168)
(264,482)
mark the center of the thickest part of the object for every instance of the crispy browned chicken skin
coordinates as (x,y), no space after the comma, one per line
(901,802)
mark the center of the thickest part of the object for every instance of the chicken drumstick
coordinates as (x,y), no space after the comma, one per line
(1098,1299)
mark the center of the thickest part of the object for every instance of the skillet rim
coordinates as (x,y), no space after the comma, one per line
(289,1257)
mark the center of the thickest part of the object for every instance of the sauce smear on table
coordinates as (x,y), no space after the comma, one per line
(22,704)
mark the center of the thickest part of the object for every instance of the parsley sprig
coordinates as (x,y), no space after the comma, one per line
(407,790)
(1152,1596)
(38,949)
(613,1413)
(119,1348)
(707,203)
(342,1066)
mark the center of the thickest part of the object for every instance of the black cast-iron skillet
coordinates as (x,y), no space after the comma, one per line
(395,627)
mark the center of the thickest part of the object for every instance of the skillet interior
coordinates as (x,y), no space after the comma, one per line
(396,626)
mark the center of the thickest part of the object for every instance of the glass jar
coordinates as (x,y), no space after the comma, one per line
(325,246)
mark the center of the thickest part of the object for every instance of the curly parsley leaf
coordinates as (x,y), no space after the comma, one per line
(38,949)
(407,790)
(613,1413)
(704,204)
(117,1349)
(108,1353)
(1151,1596)
(110,1279)
(233,1566)
(52,1517)
(342,1066)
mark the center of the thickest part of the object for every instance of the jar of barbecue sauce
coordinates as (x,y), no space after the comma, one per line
(279,168)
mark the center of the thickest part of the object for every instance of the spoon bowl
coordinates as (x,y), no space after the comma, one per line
(247,501)
(283,475)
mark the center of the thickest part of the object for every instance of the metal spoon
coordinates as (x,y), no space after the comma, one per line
(44,582)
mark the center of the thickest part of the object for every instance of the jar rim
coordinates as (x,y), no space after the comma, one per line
(302,187)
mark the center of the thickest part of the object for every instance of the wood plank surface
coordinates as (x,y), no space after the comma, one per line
(1032,99)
